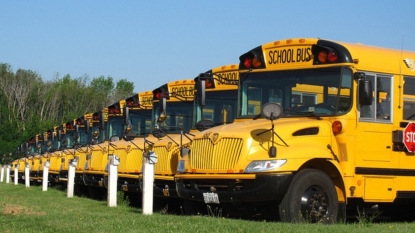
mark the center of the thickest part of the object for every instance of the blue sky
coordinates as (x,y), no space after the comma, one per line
(154,42)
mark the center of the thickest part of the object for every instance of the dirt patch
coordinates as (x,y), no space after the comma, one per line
(12,209)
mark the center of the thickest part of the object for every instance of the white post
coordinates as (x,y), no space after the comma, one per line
(16,172)
(113,161)
(45,180)
(7,174)
(27,175)
(2,174)
(150,159)
(71,177)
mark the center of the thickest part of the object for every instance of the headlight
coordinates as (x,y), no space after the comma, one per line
(266,165)
(180,166)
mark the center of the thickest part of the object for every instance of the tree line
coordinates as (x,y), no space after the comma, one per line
(30,105)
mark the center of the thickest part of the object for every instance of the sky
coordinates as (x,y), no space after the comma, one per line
(154,42)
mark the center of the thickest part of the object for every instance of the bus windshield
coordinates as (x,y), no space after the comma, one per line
(220,107)
(304,92)
(115,126)
(83,137)
(179,116)
(141,122)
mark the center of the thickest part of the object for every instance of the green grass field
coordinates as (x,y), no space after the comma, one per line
(31,210)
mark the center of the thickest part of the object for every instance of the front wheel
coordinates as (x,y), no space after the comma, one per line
(311,198)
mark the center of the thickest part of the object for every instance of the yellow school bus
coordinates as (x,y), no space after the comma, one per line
(136,140)
(108,127)
(97,150)
(28,160)
(36,171)
(54,154)
(74,147)
(83,127)
(312,157)
(214,105)
(46,145)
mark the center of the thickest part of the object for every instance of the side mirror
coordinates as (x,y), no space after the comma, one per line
(200,92)
(128,133)
(162,104)
(114,138)
(86,125)
(126,115)
(102,121)
(184,151)
(162,117)
(52,136)
(159,133)
(75,136)
(59,134)
(365,92)
(204,124)
(271,111)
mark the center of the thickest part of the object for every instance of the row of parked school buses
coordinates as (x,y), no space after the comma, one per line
(300,129)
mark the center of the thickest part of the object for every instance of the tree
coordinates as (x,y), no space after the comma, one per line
(124,89)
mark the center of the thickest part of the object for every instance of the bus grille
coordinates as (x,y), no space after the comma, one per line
(224,155)
(166,160)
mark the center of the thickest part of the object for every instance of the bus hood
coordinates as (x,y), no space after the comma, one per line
(260,130)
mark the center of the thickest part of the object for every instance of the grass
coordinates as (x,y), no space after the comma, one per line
(31,210)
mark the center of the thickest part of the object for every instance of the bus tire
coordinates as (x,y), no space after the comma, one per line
(311,198)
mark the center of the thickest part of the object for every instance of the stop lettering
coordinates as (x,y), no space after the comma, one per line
(409,137)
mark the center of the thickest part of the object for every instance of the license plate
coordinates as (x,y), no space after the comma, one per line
(211,198)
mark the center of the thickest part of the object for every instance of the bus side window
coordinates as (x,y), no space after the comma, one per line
(381,107)
(409,98)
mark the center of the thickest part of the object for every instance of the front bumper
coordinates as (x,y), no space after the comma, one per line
(264,187)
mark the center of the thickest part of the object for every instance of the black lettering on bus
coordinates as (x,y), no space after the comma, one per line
(183,91)
(289,56)
(147,100)
(303,55)
(228,78)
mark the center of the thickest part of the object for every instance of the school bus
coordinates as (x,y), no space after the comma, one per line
(97,150)
(55,155)
(74,147)
(36,160)
(81,147)
(311,157)
(47,149)
(136,139)
(113,128)
(215,105)
(29,153)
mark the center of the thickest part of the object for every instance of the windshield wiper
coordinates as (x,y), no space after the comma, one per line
(308,113)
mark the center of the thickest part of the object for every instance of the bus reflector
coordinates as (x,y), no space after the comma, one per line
(336,127)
